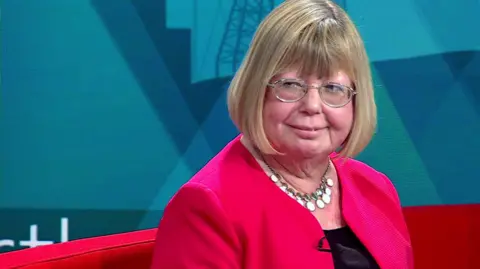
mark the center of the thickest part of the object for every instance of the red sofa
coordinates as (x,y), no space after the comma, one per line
(457,248)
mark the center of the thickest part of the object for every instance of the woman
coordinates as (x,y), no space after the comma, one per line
(286,193)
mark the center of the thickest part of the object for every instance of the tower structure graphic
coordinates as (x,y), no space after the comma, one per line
(244,18)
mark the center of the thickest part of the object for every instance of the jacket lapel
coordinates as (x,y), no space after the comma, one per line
(364,207)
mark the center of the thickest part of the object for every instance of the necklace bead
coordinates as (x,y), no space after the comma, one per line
(310,206)
(320,204)
(274,178)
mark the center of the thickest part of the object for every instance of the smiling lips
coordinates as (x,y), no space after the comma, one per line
(306,128)
(306,132)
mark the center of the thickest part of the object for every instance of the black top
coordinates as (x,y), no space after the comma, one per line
(347,250)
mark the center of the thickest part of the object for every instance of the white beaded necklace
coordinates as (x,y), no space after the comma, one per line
(320,198)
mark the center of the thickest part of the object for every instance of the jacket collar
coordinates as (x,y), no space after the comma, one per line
(371,213)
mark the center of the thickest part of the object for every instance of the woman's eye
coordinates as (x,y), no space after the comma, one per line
(291,84)
(334,88)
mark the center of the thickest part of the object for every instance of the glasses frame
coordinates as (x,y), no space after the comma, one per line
(306,87)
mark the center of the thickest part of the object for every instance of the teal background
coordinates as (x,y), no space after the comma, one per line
(109,106)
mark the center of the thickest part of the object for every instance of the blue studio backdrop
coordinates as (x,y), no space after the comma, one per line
(109,106)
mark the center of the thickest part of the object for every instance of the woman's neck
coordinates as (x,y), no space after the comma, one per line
(304,175)
(304,169)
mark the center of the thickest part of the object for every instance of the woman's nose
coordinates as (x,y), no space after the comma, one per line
(312,103)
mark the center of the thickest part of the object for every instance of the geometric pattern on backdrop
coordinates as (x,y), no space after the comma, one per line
(110,105)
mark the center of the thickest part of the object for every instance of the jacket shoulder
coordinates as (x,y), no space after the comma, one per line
(228,175)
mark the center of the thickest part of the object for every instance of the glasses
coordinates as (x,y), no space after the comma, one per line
(292,90)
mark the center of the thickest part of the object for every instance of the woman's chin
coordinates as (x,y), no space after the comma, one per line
(309,148)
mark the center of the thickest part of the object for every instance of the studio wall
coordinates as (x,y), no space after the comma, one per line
(109,106)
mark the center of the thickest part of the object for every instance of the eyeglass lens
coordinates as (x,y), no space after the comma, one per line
(291,90)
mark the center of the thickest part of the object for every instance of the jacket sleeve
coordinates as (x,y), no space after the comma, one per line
(195,232)
(403,225)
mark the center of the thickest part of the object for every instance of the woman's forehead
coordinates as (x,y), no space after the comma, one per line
(338,75)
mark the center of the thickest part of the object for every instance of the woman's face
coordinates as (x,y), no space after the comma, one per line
(308,127)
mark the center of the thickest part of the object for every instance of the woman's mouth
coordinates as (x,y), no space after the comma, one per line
(307,132)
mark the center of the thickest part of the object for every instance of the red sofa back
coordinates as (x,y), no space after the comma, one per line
(442,237)
(445,236)
(131,250)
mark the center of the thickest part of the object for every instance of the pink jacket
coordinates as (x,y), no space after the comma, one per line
(231,215)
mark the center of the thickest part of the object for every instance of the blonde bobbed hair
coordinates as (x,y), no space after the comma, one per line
(317,37)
